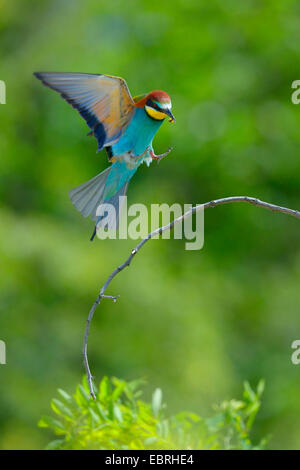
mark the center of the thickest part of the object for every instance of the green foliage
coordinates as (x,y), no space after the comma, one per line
(119,419)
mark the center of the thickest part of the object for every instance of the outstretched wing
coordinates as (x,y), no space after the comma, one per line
(102,100)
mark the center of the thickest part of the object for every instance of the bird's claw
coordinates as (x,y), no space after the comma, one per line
(162,155)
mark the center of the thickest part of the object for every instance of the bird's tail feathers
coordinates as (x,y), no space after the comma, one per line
(87,197)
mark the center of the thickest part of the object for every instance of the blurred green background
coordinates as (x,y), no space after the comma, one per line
(195,323)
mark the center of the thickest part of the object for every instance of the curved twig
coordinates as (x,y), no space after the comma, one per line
(159,231)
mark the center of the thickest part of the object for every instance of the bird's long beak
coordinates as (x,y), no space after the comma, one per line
(169,113)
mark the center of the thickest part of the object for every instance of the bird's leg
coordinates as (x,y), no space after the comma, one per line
(160,156)
(138,158)
(94,233)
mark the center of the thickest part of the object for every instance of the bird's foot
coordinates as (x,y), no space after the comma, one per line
(160,156)
(93,234)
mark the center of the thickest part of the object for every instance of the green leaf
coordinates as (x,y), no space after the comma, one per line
(120,386)
(49,422)
(260,387)
(150,440)
(64,395)
(157,401)
(118,413)
(81,397)
(85,394)
(101,411)
(96,420)
(249,394)
(54,445)
(104,389)
(61,409)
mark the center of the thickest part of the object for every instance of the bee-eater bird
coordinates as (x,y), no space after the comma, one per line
(123,125)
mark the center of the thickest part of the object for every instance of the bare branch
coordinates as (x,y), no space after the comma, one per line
(159,231)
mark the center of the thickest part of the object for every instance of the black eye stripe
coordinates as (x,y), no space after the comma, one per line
(153,105)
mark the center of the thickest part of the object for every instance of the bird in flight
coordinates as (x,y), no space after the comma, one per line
(123,125)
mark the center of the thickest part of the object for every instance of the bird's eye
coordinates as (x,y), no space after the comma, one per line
(153,105)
